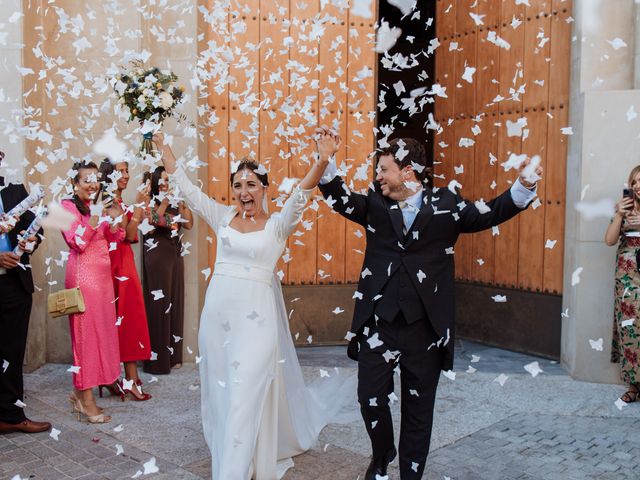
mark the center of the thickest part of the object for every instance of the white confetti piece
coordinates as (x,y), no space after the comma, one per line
(54,433)
(596,344)
(5,365)
(119,449)
(362,8)
(150,466)
(73,369)
(627,323)
(620,404)
(617,43)
(501,379)
(450,374)
(374,341)
(499,298)
(467,76)
(157,294)
(405,6)
(20,404)
(631,113)
(567,130)
(533,368)
(206,272)
(496,40)
(575,276)
(550,244)
(386,37)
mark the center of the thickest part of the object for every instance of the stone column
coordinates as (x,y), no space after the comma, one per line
(602,150)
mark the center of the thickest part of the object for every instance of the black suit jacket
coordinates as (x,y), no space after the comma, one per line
(12,195)
(424,257)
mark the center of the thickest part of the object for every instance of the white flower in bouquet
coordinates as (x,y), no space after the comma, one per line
(166,100)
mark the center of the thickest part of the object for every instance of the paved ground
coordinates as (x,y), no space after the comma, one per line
(548,427)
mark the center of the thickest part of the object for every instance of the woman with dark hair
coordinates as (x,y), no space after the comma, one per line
(133,330)
(163,274)
(624,230)
(256,411)
(94,335)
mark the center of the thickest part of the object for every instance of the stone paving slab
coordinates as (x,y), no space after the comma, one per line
(548,427)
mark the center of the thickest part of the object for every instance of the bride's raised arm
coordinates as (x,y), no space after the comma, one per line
(211,211)
(327,145)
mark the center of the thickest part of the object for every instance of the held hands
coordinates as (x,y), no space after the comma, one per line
(144,194)
(9,260)
(624,207)
(27,245)
(530,172)
(327,142)
(158,139)
(168,159)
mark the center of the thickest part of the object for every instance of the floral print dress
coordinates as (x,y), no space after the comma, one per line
(626,323)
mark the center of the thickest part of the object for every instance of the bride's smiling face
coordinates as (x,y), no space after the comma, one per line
(248,192)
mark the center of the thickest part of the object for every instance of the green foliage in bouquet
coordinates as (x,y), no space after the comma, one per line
(149,94)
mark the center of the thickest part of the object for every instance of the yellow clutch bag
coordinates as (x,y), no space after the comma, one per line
(65,302)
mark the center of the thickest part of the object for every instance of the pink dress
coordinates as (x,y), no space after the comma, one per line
(94,334)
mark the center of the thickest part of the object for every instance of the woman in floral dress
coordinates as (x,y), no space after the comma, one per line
(624,230)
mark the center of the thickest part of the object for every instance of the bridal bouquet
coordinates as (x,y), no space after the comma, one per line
(151,96)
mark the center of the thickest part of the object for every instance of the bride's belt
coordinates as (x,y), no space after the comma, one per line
(247,272)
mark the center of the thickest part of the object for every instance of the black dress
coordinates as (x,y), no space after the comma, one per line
(163,271)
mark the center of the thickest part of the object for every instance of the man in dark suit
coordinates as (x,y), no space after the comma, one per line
(404,311)
(16,288)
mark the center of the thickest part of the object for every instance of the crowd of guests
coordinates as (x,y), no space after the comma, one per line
(125,320)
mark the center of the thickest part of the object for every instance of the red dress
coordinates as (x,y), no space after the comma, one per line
(133,330)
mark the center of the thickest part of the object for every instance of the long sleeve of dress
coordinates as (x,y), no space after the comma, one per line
(211,211)
(81,232)
(291,213)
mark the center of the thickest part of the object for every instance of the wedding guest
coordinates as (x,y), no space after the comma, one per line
(624,230)
(163,275)
(94,335)
(16,289)
(133,331)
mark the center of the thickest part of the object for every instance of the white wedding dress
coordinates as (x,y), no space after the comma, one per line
(257,412)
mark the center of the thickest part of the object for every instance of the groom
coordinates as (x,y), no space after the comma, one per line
(404,312)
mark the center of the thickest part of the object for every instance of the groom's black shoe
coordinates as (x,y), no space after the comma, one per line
(378,467)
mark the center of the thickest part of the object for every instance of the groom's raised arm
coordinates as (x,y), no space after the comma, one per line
(352,206)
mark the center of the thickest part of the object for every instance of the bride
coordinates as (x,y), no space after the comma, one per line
(256,411)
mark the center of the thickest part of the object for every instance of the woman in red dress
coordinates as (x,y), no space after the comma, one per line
(133,330)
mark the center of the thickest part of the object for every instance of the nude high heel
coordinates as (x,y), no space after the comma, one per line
(78,408)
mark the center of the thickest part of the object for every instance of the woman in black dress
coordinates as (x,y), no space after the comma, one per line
(163,275)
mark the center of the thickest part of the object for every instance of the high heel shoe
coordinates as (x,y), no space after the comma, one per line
(73,399)
(130,393)
(114,389)
(78,408)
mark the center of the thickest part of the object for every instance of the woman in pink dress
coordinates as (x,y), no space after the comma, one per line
(94,335)
(133,330)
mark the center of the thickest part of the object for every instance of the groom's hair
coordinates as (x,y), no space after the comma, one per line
(247,164)
(414,153)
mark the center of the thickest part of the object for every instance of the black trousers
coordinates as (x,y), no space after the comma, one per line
(419,374)
(15,308)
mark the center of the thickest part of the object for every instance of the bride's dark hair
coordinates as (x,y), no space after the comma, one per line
(247,164)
